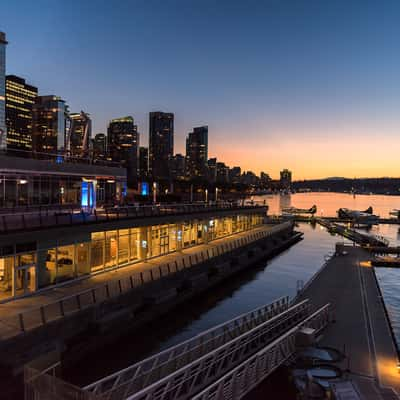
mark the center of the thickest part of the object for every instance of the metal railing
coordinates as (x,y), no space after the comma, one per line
(39,316)
(191,349)
(58,158)
(48,218)
(196,375)
(245,377)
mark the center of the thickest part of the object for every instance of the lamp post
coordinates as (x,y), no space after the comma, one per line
(206,193)
(154,192)
(216,195)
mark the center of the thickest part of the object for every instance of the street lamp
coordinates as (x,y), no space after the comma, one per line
(216,194)
(206,193)
(154,192)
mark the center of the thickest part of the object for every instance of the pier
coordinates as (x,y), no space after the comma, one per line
(362,329)
(351,234)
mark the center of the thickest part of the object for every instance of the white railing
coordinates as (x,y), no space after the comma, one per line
(189,350)
(38,316)
(196,375)
(245,377)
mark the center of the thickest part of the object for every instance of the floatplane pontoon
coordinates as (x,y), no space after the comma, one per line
(359,217)
(294,210)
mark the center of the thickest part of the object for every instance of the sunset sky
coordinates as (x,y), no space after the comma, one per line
(309,85)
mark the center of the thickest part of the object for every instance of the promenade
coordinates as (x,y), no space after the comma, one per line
(361,330)
(152,270)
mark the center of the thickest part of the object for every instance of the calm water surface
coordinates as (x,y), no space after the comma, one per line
(279,277)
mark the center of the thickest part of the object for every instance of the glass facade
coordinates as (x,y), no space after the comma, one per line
(22,272)
(3,129)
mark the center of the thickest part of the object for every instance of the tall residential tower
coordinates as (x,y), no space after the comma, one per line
(197,152)
(161,143)
(49,124)
(3,128)
(20,98)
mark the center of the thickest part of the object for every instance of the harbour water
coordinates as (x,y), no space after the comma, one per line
(279,277)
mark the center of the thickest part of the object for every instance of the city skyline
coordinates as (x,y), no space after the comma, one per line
(308,89)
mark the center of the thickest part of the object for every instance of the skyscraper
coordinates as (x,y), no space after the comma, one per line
(161,143)
(143,162)
(78,134)
(100,146)
(3,128)
(49,124)
(20,98)
(122,145)
(197,152)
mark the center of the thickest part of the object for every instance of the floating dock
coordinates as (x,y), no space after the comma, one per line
(362,329)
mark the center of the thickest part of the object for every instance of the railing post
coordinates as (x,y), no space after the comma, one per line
(78,301)
(141,278)
(21,322)
(43,317)
(107,290)
(120,285)
(131,280)
(62,308)
(94,295)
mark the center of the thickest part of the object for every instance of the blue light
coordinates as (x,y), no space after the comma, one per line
(144,189)
(85,194)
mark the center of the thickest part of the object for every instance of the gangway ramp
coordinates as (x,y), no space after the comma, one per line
(197,374)
(183,353)
(238,382)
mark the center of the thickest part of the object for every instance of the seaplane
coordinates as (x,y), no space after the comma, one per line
(366,218)
(395,213)
(293,210)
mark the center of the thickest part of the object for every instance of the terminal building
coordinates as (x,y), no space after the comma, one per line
(43,258)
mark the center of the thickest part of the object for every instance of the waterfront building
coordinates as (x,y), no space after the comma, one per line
(50,257)
(78,135)
(3,127)
(20,98)
(177,167)
(197,152)
(122,145)
(50,114)
(161,144)
(100,146)
(34,182)
(286,179)
(143,162)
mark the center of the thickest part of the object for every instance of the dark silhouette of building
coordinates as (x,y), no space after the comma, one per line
(161,144)
(143,162)
(222,173)
(78,134)
(235,174)
(50,115)
(3,128)
(20,98)
(286,179)
(122,146)
(177,167)
(197,152)
(100,146)
(212,169)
